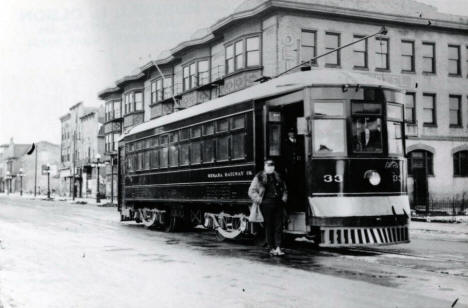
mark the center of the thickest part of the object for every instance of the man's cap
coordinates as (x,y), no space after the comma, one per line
(270,162)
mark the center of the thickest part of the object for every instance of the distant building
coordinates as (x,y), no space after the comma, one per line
(14,159)
(80,146)
(424,52)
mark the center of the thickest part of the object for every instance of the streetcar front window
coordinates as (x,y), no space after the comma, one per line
(367,125)
(329,136)
(367,135)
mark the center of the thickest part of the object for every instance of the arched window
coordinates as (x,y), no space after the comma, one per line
(460,163)
(420,159)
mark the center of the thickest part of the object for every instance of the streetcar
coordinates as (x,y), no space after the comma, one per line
(337,137)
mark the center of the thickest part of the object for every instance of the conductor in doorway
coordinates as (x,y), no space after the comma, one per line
(269,191)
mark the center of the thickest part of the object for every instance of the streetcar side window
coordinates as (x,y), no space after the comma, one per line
(395,128)
(274,139)
(173,155)
(238,146)
(163,152)
(208,129)
(154,159)
(195,152)
(184,154)
(208,151)
(147,160)
(222,148)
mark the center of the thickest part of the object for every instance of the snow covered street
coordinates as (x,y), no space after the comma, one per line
(56,254)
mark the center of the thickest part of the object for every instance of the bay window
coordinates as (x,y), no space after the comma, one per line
(242,53)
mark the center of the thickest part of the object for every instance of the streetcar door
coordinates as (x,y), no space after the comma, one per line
(286,147)
(294,157)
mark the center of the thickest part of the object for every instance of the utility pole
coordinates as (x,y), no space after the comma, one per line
(112,180)
(35,171)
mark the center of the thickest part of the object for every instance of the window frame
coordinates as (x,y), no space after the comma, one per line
(379,53)
(412,56)
(433,58)
(458,60)
(245,54)
(459,112)
(328,49)
(434,113)
(458,163)
(357,37)
(343,118)
(414,117)
(192,80)
(428,161)
(314,47)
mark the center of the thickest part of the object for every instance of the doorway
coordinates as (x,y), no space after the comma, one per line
(286,147)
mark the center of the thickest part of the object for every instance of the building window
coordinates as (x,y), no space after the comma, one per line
(332,41)
(420,159)
(196,74)
(229,59)
(168,90)
(239,55)
(186,77)
(253,51)
(407,56)
(133,101)
(156,90)
(203,72)
(428,52)
(429,109)
(381,53)
(460,163)
(455,111)
(360,52)
(308,45)
(454,60)
(138,101)
(242,53)
(410,108)
(117,113)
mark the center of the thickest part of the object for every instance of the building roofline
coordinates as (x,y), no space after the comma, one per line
(108,91)
(65,117)
(129,78)
(75,105)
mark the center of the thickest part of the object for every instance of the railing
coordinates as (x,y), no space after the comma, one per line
(448,206)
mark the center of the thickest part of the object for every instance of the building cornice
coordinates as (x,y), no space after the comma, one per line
(108,91)
(65,117)
(129,78)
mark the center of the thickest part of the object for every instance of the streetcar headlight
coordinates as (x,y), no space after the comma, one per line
(373,177)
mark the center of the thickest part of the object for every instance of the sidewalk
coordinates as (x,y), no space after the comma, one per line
(91,201)
(441,219)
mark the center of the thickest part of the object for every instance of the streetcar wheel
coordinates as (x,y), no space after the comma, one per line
(172,224)
(222,234)
(148,218)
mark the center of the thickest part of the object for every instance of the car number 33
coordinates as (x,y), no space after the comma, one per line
(330,178)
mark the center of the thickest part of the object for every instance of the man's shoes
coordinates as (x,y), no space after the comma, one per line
(279,252)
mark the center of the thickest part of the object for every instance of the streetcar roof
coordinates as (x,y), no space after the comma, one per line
(282,85)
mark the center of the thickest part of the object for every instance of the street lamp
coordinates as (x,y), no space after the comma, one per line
(98,160)
(21,174)
(48,180)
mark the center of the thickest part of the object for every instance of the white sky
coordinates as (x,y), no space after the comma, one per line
(55,53)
